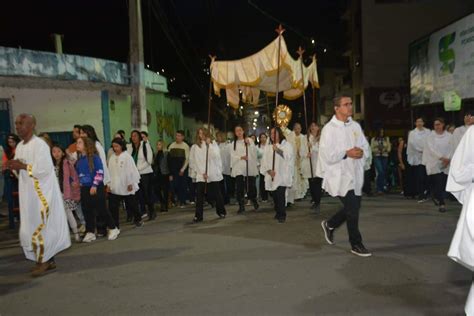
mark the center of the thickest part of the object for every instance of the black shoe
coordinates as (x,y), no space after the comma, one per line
(139,224)
(164,210)
(361,251)
(241,209)
(255,205)
(281,220)
(197,220)
(328,232)
(435,201)
(151,217)
(221,216)
(442,209)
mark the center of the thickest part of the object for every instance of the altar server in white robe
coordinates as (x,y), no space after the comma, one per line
(461,130)
(44,230)
(415,146)
(309,161)
(436,158)
(207,179)
(461,185)
(243,163)
(278,178)
(343,150)
(300,184)
(124,183)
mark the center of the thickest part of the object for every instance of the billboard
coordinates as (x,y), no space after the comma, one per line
(442,65)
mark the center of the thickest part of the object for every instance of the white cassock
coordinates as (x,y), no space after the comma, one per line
(437,146)
(308,170)
(284,166)
(123,172)
(341,175)
(461,185)
(458,134)
(415,145)
(300,184)
(238,165)
(44,231)
(197,159)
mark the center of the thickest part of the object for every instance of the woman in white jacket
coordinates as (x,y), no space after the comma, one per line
(309,160)
(207,178)
(278,176)
(124,180)
(142,154)
(243,161)
(436,158)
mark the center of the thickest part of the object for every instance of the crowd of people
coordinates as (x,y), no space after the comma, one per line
(285,165)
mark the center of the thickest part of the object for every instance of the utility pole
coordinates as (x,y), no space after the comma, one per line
(137,68)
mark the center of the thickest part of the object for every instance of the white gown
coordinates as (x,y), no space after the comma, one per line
(437,146)
(283,166)
(308,170)
(415,145)
(461,185)
(44,231)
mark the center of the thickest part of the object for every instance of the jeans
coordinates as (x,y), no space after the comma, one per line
(381,163)
(421,180)
(349,214)
(131,203)
(93,206)
(179,187)
(213,192)
(145,194)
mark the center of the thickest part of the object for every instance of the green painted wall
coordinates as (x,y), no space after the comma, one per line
(164,115)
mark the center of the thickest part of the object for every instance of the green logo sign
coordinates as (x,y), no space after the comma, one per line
(452,101)
(446,54)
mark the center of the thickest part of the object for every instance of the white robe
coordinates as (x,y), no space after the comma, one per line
(284,166)
(300,184)
(437,146)
(42,214)
(260,153)
(461,185)
(123,172)
(415,145)
(197,161)
(341,175)
(238,165)
(308,170)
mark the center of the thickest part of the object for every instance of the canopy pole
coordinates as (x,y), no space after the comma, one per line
(280,31)
(314,97)
(300,52)
(208,121)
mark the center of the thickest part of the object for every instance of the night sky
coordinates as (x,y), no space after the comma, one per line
(228,29)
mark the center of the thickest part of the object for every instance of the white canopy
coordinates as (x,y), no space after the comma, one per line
(258,73)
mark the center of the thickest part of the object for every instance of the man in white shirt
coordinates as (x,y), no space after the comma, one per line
(343,150)
(461,130)
(415,146)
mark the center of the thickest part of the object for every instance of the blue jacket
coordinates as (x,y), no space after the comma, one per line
(86,177)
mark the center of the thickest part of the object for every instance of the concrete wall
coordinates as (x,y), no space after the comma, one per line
(387,30)
(57,110)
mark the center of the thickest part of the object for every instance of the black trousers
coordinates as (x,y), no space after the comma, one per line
(261,184)
(213,194)
(315,189)
(350,214)
(93,206)
(131,204)
(230,186)
(279,201)
(241,188)
(162,188)
(438,182)
(145,194)
(224,191)
(421,180)
(367,187)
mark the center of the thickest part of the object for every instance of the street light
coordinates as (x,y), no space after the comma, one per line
(256,113)
(254,119)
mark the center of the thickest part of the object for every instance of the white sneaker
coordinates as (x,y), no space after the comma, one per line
(90,237)
(114,233)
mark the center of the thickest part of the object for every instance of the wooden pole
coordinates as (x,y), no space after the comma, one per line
(280,31)
(300,52)
(314,98)
(208,122)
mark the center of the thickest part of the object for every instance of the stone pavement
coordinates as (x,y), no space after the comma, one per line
(251,265)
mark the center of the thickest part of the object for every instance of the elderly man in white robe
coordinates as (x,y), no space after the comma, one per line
(461,185)
(44,230)
(343,150)
(300,184)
